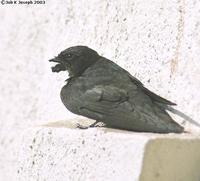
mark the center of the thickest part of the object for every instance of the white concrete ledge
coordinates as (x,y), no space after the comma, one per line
(65,153)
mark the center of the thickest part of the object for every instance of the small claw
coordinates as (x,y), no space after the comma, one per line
(93,125)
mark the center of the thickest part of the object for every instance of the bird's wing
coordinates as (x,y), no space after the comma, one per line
(102,100)
(112,106)
(153,96)
(157,98)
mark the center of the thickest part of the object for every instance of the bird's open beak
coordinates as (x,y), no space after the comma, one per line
(59,66)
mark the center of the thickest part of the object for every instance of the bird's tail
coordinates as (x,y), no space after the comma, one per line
(182,115)
(178,113)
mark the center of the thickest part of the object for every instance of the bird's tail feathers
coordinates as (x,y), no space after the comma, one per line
(180,114)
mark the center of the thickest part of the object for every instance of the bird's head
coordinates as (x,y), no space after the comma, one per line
(75,60)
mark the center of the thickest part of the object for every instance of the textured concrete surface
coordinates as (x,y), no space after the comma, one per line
(156,40)
(171,158)
(99,154)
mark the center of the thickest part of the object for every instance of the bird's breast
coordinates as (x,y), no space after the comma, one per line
(70,95)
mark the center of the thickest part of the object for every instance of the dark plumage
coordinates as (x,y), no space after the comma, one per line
(100,89)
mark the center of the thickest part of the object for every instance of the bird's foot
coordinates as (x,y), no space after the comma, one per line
(81,126)
(93,125)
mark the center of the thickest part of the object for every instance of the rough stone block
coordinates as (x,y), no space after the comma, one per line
(62,152)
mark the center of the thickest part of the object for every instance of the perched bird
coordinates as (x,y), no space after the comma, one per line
(99,89)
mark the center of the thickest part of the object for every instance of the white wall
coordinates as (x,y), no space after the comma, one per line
(157,41)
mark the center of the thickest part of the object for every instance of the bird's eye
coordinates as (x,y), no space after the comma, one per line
(69,55)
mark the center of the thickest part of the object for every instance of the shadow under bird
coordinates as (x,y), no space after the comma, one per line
(99,89)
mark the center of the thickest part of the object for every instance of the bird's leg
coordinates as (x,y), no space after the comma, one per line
(93,125)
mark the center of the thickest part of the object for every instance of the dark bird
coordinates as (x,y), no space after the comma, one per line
(99,89)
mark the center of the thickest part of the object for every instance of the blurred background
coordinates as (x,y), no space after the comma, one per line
(158,41)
